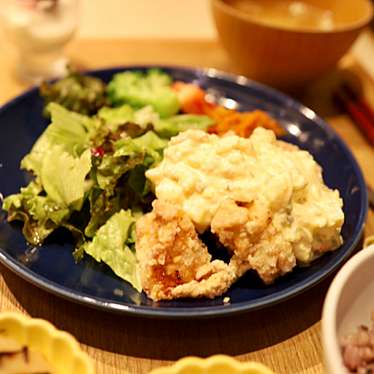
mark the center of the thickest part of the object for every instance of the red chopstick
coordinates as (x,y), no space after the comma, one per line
(356,97)
(358,109)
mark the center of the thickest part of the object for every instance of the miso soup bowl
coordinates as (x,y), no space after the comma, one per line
(285,57)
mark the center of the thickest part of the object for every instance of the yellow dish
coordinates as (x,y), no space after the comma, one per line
(59,348)
(219,364)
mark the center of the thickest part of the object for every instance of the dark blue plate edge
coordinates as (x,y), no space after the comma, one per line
(201,312)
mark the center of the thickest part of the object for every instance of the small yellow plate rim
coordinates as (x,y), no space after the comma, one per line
(28,322)
(237,367)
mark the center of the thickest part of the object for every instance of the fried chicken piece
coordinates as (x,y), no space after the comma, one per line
(212,280)
(264,199)
(249,233)
(173,261)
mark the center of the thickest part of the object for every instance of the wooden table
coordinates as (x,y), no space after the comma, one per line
(285,337)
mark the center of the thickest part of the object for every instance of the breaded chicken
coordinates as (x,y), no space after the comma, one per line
(173,261)
(248,232)
(264,199)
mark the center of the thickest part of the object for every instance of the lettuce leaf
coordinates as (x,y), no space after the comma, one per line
(151,141)
(113,117)
(64,177)
(112,166)
(40,214)
(111,191)
(172,126)
(48,202)
(146,116)
(120,178)
(71,131)
(80,93)
(102,206)
(109,246)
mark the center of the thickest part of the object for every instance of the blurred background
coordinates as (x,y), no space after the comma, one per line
(169,19)
(146,18)
(165,19)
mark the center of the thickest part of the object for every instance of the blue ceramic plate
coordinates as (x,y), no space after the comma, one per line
(52,266)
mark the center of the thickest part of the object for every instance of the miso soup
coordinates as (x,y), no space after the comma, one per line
(287,13)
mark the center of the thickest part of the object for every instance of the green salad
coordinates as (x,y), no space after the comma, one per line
(89,164)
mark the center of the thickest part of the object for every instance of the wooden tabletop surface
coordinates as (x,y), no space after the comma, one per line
(285,337)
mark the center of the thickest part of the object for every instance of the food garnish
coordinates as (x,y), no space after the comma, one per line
(193,100)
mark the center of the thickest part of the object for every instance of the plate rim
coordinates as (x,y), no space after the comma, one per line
(209,311)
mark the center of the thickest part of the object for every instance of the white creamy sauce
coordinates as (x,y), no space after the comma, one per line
(200,170)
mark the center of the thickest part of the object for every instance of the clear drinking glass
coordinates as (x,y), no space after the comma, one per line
(39,29)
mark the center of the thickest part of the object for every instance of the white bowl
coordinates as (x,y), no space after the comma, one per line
(349,303)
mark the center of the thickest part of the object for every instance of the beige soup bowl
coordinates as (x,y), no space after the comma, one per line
(287,57)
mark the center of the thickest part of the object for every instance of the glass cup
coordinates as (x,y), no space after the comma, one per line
(39,29)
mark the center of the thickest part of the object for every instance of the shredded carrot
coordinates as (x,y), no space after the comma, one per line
(242,123)
(193,101)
